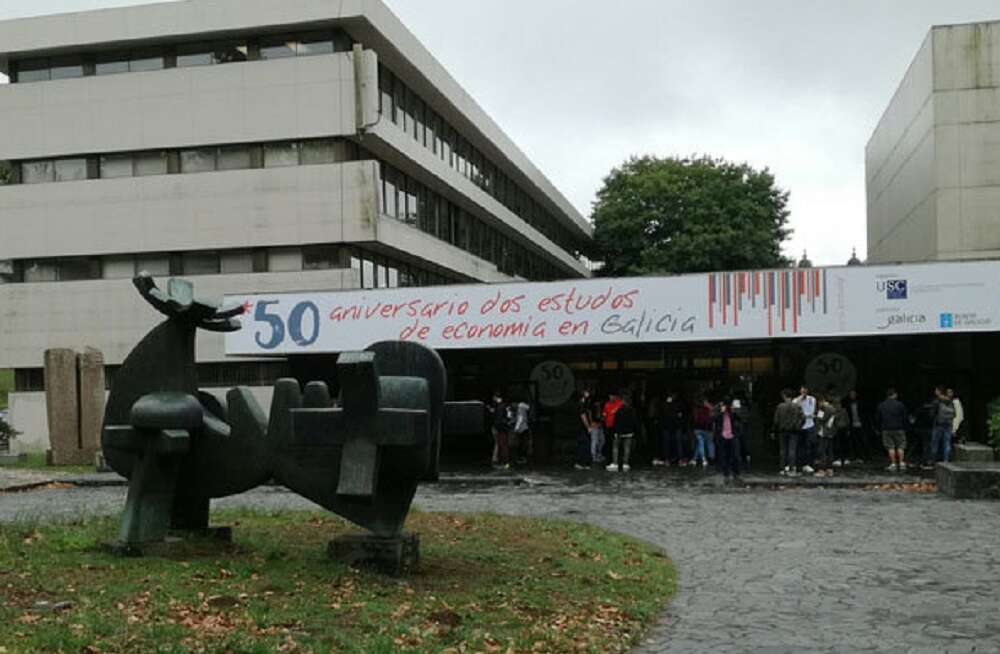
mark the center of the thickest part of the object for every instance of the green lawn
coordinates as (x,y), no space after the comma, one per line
(487,584)
(6,386)
(36,461)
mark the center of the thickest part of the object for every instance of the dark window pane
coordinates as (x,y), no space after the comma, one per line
(116,165)
(33,70)
(112,65)
(385,91)
(66,67)
(200,263)
(150,163)
(320,257)
(145,60)
(399,103)
(235,157)
(40,271)
(68,170)
(79,268)
(277,47)
(237,263)
(38,172)
(155,264)
(278,155)
(315,44)
(195,55)
(228,53)
(342,41)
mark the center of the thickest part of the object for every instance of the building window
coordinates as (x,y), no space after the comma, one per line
(33,70)
(229,53)
(320,257)
(79,268)
(236,263)
(37,172)
(149,163)
(235,157)
(157,265)
(116,165)
(146,60)
(316,44)
(66,67)
(69,170)
(198,160)
(112,64)
(277,47)
(319,151)
(199,263)
(195,55)
(278,155)
(40,271)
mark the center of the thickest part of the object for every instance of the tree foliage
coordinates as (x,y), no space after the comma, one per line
(6,173)
(679,215)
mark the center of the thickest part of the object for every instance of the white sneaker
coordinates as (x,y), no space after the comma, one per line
(577,466)
(626,468)
(612,467)
(808,470)
(658,462)
(704,464)
(783,472)
(838,463)
(892,467)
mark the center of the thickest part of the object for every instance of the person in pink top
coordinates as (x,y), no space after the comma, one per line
(728,428)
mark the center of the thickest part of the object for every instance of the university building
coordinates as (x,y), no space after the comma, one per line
(250,146)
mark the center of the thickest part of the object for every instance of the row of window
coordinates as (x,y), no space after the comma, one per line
(189,160)
(374,271)
(192,54)
(404,108)
(409,201)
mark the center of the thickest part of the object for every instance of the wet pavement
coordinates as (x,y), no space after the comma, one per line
(823,569)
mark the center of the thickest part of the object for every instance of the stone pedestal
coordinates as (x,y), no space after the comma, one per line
(62,403)
(91,388)
(175,542)
(969,481)
(973,452)
(391,555)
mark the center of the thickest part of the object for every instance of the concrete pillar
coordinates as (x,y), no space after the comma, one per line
(91,376)
(62,401)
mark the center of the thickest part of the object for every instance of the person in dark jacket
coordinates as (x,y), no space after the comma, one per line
(892,419)
(674,431)
(788,421)
(728,429)
(500,424)
(626,426)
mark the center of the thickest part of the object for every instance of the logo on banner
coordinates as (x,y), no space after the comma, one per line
(894,289)
(904,320)
(947,321)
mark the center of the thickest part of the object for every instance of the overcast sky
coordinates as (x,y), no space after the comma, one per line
(794,85)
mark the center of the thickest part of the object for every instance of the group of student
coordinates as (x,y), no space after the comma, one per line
(717,429)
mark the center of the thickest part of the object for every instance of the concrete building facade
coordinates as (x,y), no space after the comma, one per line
(250,146)
(933,162)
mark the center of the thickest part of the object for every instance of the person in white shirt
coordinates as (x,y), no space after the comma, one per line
(959,412)
(807,444)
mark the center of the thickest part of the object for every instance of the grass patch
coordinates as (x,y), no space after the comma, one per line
(486,584)
(36,461)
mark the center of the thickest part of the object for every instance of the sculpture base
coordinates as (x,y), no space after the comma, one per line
(175,541)
(393,555)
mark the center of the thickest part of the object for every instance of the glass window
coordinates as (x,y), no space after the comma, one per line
(277,47)
(342,41)
(318,151)
(385,91)
(388,191)
(195,55)
(157,265)
(430,125)
(40,271)
(118,268)
(417,110)
(316,44)
(77,268)
(393,277)
(277,155)
(444,222)
(399,103)
(413,189)
(198,160)
(68,170)
(228,53)
(150,163)
(284,260)
(37,172)
(200,263)
(33,70)
(146,60)
(112,63)
(367,274)
(460,220)
(237,263)
(320,257)
(116,165)
(381,276)
(235,157)
(66,67)
(427,212)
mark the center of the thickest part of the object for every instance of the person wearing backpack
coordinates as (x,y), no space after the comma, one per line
(944,421)
(788,421)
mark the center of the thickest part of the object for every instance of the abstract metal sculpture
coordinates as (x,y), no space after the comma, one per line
(361,459)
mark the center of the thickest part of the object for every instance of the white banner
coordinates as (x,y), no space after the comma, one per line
(852,301)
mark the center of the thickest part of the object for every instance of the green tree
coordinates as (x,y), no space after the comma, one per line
(6,173)
(680,215)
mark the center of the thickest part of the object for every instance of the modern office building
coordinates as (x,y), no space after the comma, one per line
(933,162)
(251,146)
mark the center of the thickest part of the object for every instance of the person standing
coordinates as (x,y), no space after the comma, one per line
(522,432)
(584,447)
(855,445)
(500,427)
(826,431)
(674,428)
(944,420)
(891,417)
(788,421)
(959,415)
(728,427)
(807,440)
(704,447)
(626,426)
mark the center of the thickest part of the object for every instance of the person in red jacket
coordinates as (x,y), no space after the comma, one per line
(611,407)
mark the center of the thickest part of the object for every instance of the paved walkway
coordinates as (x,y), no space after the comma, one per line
(764,571)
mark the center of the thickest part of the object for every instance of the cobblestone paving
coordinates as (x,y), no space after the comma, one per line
(772,572)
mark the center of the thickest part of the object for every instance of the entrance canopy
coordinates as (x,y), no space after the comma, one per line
(775,304)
